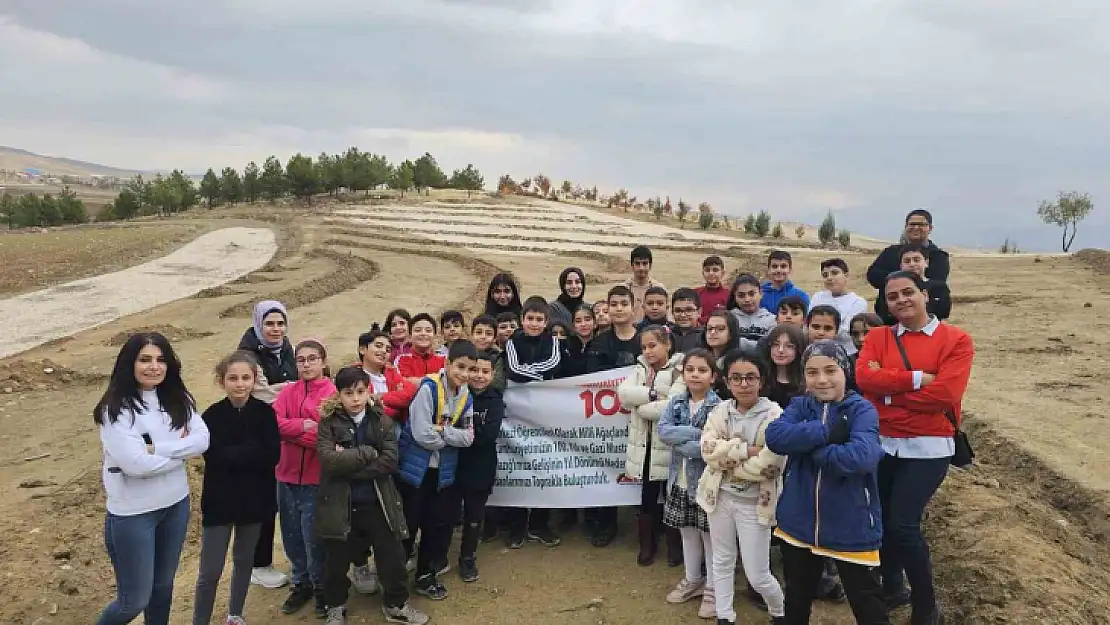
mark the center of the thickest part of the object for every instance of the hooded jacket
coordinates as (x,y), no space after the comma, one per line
(562,309)
(492,307)
(478,463)
(371,463)
(753,326)
(643,422)
(243,449)
(830,496)
(772,296)
(295,403)
(720,441)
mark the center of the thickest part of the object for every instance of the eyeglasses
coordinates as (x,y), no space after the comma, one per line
(750,379)
(308,360)
(685,311)
(917,224)
(715,329)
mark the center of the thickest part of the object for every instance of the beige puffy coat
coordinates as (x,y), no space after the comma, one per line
(643,423)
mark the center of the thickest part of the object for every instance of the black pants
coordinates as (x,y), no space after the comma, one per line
(649,497)
(473,502)
(802,573)
(522,520)
(264,549)
(369,528)
(428,509)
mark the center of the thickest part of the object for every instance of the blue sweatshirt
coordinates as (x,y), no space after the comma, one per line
(772,296)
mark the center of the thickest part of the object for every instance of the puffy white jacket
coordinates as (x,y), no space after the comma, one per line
(644,421)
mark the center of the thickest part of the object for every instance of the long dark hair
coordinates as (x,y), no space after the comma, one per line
(733,326)
(492,307)
(795,371)
(123,391)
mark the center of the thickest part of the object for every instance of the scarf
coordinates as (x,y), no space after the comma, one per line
(261,309)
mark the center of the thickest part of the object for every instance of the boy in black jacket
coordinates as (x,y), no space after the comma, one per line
(477,463)
(531,355)
(619,346)
(916,258)
(686,308)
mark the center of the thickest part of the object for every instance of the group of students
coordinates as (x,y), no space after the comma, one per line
(747,429)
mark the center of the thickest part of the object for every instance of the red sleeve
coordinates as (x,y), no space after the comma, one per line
(409,366)
(398,399)
(947,390)
(291,426)
(889,380)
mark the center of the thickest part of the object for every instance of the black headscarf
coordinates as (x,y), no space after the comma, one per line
(492,307)
(568,302)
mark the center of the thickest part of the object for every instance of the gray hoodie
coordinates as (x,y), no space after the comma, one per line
(753,326)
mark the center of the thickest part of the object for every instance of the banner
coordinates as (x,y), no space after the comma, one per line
(564,444)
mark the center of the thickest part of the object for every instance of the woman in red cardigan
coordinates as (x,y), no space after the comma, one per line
(917,401)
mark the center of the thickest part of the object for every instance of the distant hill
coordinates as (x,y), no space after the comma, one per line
(17,160)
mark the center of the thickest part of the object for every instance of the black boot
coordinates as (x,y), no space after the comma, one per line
(648,542)
(298,597)
(674,547)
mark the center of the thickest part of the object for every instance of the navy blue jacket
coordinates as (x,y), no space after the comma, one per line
(837,480)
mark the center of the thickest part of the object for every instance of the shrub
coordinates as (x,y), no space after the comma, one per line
(800,232)
(826,233)
(844,238)
(762,224)
(705,220)
(749,224)
(777,231)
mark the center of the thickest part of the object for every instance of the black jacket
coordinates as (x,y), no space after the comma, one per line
(277,369)
(685,340)
(890,260)
(244,448)
(573,361)
(532,358)
(605,351)
(478,463)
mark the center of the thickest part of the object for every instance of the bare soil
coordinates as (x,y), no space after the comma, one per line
(1021,538)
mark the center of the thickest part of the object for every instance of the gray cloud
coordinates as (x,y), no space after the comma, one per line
(975,112)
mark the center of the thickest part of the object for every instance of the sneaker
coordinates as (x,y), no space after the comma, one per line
(337,615)
(545,536)
(516,541)
(321,605)
(428,586)
(685,591)
(365,580)
(298,597)
(268,577)
(708,607)
(235,620)
(833,591)
(442,567)
(468,569)
(404,614)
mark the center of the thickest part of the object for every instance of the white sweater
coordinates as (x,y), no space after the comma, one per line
(849,306)
(148,481)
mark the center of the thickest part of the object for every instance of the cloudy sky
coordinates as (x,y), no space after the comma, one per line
(976,109)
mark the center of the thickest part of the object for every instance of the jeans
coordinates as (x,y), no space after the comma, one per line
(473,503)
(145,550)
(905,487)
(297,512)
(369,528)
(802,571)
(733,521)
(213,552)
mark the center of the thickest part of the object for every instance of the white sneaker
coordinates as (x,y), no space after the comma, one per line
(404,614)
(235,620)
(364,580)
(268,577)
(337,616)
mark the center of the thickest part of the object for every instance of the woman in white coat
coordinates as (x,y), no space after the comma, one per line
(656,378)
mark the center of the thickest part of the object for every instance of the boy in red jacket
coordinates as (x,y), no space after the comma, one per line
(386,381)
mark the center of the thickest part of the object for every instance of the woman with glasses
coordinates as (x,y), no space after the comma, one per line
(298,474)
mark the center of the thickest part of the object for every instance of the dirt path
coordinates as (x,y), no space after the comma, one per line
(211,260)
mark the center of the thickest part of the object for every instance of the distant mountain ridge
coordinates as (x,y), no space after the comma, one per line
(16,159)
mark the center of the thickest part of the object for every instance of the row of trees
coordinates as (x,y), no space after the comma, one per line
(31,210)
(301,177)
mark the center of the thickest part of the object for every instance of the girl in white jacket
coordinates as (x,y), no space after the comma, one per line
(740,487)
(656,378)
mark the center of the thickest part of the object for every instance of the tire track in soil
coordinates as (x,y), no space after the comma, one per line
(1014,541)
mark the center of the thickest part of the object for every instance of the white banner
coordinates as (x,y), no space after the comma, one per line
(564,444)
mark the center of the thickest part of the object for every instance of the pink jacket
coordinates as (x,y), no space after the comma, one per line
(295,403)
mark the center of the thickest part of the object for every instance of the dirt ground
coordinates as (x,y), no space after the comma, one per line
(1022,538)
